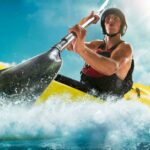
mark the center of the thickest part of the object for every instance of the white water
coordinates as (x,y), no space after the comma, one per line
(80,124)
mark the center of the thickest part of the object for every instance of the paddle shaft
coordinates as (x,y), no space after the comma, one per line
(70,37)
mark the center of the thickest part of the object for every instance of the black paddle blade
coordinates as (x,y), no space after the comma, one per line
(32,76)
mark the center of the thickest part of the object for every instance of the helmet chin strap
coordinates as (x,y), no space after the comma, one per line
(112,35)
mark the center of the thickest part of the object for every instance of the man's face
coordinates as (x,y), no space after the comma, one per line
(112,24)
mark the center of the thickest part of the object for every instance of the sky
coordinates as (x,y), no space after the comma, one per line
(31,27)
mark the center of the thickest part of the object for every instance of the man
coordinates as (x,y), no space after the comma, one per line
(109,64)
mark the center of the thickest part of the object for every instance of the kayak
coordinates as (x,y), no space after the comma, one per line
(138,92)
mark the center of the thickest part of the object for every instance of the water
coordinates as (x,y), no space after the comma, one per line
(80,125)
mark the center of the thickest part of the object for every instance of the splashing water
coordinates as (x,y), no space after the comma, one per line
(83,124)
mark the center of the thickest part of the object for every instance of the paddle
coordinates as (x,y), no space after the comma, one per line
(34,75)
(55,51)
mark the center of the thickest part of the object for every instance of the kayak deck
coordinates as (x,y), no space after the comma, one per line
(139,93)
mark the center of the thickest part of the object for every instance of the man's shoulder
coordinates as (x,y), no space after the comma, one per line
(124,48)
(126,45)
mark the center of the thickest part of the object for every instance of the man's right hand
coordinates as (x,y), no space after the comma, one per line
(80,36)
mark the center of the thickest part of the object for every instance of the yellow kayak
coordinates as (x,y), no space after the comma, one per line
(139,92)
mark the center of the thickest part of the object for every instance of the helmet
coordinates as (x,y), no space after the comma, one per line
(118,13)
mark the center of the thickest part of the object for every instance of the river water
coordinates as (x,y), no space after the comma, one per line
(57,124)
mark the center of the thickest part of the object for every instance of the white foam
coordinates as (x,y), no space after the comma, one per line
(118,122)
